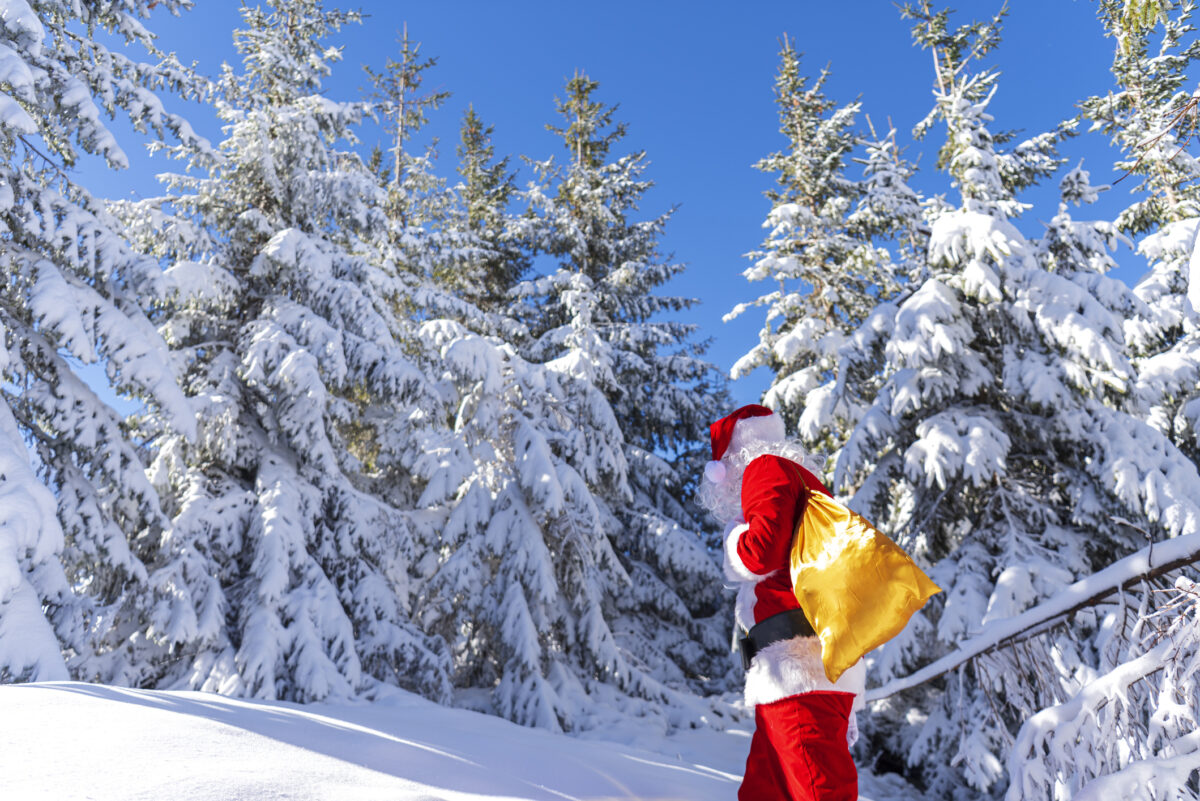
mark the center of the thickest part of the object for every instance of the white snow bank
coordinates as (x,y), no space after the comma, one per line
(94,742)
(84,741)
(89,742)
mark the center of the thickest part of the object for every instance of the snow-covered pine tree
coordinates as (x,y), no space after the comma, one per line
(603,322)
(526,573)
(1151,74)
(891,216)
(80,520)
(662,389)
(590,590)
(289,579)
(1128,729)
(994,452)
(825,253)
(1152,93)
(530,590)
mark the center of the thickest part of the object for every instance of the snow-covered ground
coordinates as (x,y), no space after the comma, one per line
(66,741)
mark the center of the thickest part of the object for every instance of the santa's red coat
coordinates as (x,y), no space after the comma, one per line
(757,552)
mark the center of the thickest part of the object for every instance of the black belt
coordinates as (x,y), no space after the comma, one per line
(782,626)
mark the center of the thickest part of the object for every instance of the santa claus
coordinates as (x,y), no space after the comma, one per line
(757,484)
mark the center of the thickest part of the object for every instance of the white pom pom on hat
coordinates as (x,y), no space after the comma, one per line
(714,472)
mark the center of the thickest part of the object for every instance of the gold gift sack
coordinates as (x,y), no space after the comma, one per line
(856,586)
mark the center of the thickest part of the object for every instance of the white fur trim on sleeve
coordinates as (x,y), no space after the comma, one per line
(735,568)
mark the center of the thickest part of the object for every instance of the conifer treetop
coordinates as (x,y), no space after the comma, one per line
(584,134)
(397,88)
(1147,115)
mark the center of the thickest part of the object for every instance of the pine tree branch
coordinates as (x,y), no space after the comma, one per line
(49,161)
(1189,106)
(1150,562)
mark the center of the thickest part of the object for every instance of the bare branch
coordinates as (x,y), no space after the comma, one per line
(1150,562)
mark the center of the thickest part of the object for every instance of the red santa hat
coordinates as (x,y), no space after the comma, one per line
(748,424)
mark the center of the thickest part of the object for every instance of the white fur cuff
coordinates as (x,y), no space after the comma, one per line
(735,568)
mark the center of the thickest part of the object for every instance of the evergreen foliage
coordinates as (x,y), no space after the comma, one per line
(80,520)
(1000,449)
(398,86)
(601,321)
(418,204)
(575,573)
(1141,118)
(295,535)
(496,259)
(826,253)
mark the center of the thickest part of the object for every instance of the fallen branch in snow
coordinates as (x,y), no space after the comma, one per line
(1153,560)
(1110,741)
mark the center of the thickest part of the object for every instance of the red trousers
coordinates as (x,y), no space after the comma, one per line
(799,751)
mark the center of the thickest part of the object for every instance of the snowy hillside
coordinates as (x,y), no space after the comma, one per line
(80,741)
(68,741)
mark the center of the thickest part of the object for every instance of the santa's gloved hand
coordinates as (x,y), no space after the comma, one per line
(732,563)
(852,730)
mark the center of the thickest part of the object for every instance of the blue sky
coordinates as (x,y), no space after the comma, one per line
(694,83)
